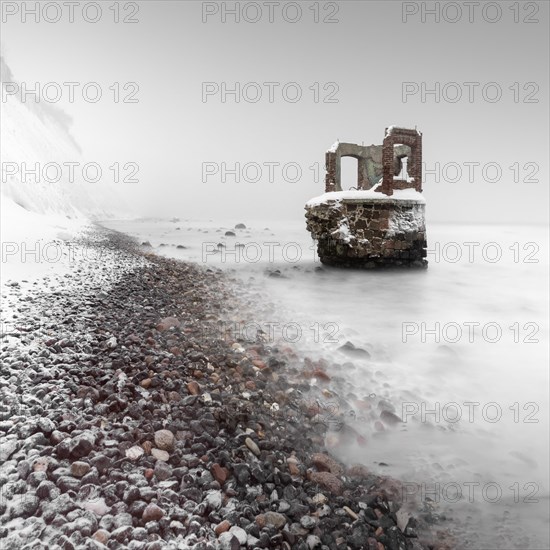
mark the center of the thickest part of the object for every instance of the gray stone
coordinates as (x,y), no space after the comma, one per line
(214,499)
(162,470)
(275,518)
(228,541)
(313,541)
(82,445)
(164,440)
(240,533)
(307,522)
(79,469)
(252,446)
(7,448)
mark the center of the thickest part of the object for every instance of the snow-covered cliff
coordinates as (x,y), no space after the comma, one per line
(34,134)
(47,214)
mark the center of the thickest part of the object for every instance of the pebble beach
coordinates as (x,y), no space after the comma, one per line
(128,422)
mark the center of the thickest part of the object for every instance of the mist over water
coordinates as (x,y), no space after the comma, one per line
(438,378)
(459,352)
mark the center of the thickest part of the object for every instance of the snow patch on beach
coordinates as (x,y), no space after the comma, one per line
(42,219)
(34,244)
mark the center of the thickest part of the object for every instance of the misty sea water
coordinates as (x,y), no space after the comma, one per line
(459,352)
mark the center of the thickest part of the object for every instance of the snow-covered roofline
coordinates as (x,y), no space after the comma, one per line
(393,129)
(367,194)
(333,147)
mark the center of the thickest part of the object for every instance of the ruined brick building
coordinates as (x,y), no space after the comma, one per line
(379,222)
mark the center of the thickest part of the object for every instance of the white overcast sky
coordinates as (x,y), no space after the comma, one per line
(368,55)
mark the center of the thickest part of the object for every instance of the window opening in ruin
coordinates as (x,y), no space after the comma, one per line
(403,174)
(348,172)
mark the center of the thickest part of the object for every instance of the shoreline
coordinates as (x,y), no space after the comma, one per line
(149,432)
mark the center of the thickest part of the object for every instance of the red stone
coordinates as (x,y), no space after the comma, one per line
(152,513)
(358,471)
(325,463)
(327,481)
(219,473)
(321,375)
(167,323)
(222,527)
(193,388)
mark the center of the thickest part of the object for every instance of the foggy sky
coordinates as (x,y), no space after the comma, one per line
(363,59)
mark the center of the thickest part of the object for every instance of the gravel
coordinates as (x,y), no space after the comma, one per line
(127,422)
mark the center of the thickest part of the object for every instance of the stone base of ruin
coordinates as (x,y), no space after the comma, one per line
(368,234)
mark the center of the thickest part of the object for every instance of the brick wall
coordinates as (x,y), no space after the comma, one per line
(378,233)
